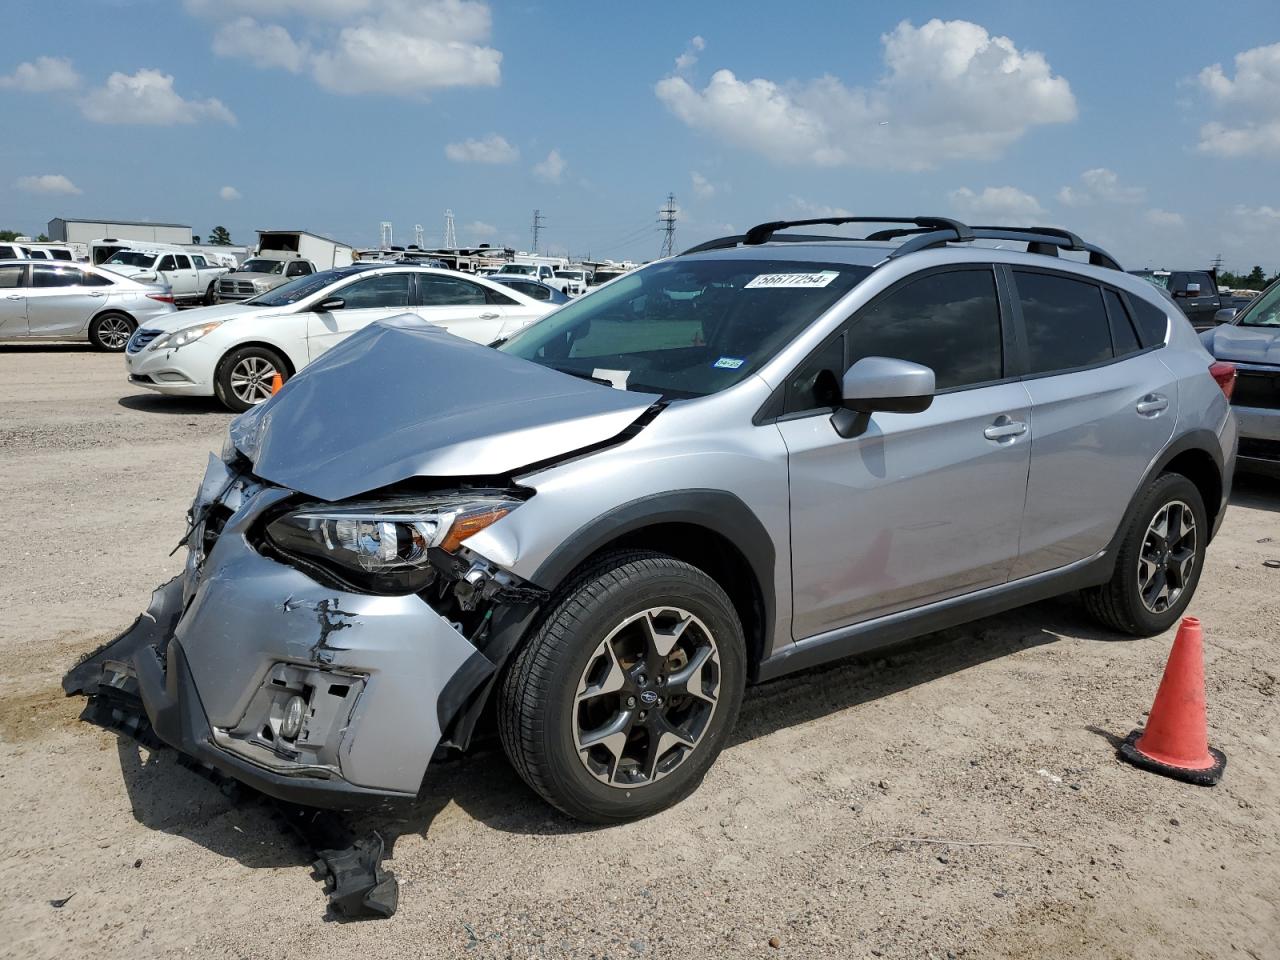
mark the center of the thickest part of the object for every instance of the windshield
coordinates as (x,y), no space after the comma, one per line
(570,274)
(132,258)
(1160,280)
(686,328)
(604,276)
(1264,311)
(521,268)
(261,266)
(298,289)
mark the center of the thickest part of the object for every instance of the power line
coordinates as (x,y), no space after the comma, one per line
(668,223)
(538,218)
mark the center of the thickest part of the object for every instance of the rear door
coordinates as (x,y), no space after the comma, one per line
(919,507)
(59,303)
(464,308)
(365,300)
(1102,408)
(13,301)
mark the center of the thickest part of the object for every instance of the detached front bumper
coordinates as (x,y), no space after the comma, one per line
(223,649)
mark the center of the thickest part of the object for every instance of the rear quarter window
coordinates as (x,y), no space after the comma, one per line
(1151,321)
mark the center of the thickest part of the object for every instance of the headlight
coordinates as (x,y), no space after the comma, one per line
(229,451)
(386,546)
(262,286)
(180,338)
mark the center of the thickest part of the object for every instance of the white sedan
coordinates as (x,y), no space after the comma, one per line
(235,351)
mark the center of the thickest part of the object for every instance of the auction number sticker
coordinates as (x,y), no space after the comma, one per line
(820,279)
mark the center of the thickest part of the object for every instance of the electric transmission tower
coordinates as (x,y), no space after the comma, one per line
(384,239)
(538,220)
(450,237)
(417,235)
(667,218)
(1217,263)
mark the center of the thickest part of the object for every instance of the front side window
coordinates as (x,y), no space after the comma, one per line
(687,328)
(1065,321)
(387,290)
(200,262)
(51,276)
(438,291)
(949,322)
(167,262)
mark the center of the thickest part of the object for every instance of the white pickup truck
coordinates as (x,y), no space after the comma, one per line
(189,275)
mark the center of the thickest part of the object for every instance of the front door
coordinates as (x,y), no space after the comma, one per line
(13,301)
(1102,409)
(364,300)
(1199,305)
(919,507)
(59,304)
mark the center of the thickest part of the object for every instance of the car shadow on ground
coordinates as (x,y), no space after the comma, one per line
(169,797)
(49,347)
(1256,491)
(180,406)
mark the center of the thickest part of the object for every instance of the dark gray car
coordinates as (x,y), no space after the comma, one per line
(729,465)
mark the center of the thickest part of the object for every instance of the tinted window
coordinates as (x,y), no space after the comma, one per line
(183,262)
(61,255)
(167,263)
(200,262)
(12,276)
(1123,337)
(437,291)
(817,383)
(535,290)
(94,280)
(49,276)
(8,252)
(1151,321)
(298,269)
(950,322)
(388,290)
(1065,320)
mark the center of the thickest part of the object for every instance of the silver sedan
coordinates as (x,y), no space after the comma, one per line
(52,300)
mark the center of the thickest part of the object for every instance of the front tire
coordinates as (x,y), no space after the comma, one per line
(625,695)
(111,332)
(244,377)
(211,294)
(1159,561)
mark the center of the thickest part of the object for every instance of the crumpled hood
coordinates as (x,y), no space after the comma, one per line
(401,399)
(1246,344)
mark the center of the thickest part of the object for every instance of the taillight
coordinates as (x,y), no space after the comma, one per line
(168,298)
(1225,375)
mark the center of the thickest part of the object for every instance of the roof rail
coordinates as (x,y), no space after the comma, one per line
(923,233)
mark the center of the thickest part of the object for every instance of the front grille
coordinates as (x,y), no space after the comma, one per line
(236,288)
(1257,389)
(141,338)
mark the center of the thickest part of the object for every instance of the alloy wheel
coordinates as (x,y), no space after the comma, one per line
(114,332)
(251,379)
(1168,556)
(646,697)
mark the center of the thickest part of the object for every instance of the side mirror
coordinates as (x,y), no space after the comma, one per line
(1226,315)
(1193,289)
(881,384)
(329,303)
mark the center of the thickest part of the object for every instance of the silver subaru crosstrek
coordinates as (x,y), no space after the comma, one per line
(769,452)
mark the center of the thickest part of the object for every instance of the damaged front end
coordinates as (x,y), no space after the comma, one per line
(321,653)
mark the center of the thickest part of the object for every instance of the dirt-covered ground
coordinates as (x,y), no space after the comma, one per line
(806,840)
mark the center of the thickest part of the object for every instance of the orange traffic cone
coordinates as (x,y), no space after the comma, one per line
(1176,739)
(277,382)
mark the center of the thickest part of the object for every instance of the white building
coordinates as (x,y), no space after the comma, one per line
(63,230)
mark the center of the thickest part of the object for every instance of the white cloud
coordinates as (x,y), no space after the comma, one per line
(1250,103)
(1100,185)
(229,193)
(812,211)
(148,97)
(702,187)
(1008,203)
(47,183)
(551,168)
(44,75)
(950,91)
(262,44)
(490,149)
(686,60)
(479,230)
(1163,218)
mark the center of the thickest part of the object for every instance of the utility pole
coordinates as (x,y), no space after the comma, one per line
(1217,264)
(450,237)
(417,235)
(667,218)
(384,238)
(538,219)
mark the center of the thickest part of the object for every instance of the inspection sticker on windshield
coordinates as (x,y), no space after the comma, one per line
(729,363)
(792,280)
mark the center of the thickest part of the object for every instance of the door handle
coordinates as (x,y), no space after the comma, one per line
(97,293)
(1152,404)
(13,296)
(1005,428)
(488,316)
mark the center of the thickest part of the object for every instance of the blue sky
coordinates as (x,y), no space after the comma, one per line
(1153,129)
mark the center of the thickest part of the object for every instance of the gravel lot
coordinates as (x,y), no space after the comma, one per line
(997,733)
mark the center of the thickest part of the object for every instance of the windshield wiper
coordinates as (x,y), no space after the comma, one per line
(583,375)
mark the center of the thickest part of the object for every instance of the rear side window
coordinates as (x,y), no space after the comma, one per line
(1151,321)
(12,276)
(1065,321)
(950,322)
(438,291)
(183,262)
(1123,337)
(95,280)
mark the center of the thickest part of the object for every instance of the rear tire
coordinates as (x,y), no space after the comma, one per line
(111,331)
(244,376)
(661,643)
(1159,562)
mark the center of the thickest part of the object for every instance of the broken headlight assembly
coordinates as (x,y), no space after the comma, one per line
(385,547)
